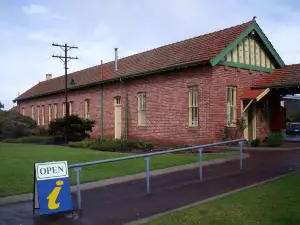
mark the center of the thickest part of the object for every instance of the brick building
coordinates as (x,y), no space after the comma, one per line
(185,92)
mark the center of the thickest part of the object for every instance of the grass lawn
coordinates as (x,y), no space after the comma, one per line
(17,162)
(274,203)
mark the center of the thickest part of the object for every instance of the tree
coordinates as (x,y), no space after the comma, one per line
(1,106)
(78,127)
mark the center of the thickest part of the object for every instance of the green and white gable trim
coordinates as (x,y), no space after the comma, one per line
(251,50)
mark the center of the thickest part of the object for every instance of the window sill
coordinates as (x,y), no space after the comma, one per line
(193,127)
(232,125)
(141,125)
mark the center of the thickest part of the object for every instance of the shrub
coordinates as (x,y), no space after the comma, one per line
(76,144)
(275,140)
(31,139)
(255,142)
(82,144)
(15,125)
(116,144)
(106,146)
(77,130)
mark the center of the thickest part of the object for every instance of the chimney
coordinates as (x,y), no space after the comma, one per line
(48,76)
(116,59)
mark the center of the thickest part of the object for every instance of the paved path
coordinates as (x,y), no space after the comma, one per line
(126,202)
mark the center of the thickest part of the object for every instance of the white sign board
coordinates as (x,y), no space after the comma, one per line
(51,170)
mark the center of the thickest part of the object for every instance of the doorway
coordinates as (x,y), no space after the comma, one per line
(118,118)
(251,122)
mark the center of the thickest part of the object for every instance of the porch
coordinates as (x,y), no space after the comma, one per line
(262,104)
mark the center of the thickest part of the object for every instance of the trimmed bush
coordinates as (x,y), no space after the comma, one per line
(107,146)
(275,140)
(78,127)
(31,139)
(76,144)
(255,142)
(15,125)
(81,144)
(116,144)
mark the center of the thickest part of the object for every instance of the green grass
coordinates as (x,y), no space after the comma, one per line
(17,162)
(274,203)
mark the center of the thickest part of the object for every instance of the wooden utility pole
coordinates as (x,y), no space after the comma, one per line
(65,60)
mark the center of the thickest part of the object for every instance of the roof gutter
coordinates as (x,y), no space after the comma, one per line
(116,79)
(297,85)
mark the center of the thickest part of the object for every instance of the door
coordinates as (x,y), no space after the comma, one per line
(118,119)
(251,123)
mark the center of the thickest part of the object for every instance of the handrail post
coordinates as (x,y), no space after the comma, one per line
(147,160)
(77,171)
(241,154)
(200,163)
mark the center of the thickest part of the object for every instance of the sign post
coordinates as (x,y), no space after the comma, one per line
(52,193)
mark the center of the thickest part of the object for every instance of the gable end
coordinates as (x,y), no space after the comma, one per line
(251,50)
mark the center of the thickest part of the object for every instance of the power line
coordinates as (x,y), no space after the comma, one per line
(65,60)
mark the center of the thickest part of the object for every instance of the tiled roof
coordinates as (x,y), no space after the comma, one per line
(249,94)
(198,49)
(288,75)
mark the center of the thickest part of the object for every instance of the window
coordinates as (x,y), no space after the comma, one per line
(43,115)
(231,105)
(193,107)
(23,111)
(64,109)
(32,112)
(38,115)
(55,111)
(118,101)
(70,108)
(50,113)
(87,106)
(141,109)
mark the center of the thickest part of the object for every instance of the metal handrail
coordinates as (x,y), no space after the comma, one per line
(78,167)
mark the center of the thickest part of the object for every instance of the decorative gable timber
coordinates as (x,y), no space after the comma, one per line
(250,39)
(249,54)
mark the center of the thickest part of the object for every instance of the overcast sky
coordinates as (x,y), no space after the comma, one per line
(28,29)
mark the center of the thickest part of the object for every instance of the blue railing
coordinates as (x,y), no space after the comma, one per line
(78,167)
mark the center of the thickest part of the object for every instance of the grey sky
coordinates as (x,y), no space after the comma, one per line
(28,29)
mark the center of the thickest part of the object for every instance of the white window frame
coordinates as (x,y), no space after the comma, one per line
(70,108)
(32,112)
(63,109)
(193,107)
(43,115)
(87,109)
(55,111)
(142,110)
(49,113)
(38,115)
(231,107)
(23,111)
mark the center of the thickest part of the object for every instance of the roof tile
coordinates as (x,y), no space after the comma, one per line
(201,48)
(287,75)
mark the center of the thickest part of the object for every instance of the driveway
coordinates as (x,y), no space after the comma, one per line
(126,202)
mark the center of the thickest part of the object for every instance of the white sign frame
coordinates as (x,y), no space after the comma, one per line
(40,176)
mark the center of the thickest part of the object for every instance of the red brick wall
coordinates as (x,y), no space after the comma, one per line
(167,106)
(166,102)
(77,97)
(223,77)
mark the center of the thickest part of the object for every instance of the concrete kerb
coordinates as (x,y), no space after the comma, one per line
(117,180)
(257,148)
(147,219)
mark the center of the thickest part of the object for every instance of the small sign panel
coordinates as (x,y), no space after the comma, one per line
(53,187)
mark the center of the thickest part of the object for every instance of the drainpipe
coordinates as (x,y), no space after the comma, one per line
(101,102)
(126,108)
(101,110)
(116,59)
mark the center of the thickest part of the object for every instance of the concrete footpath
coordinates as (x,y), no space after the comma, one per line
(126,202)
